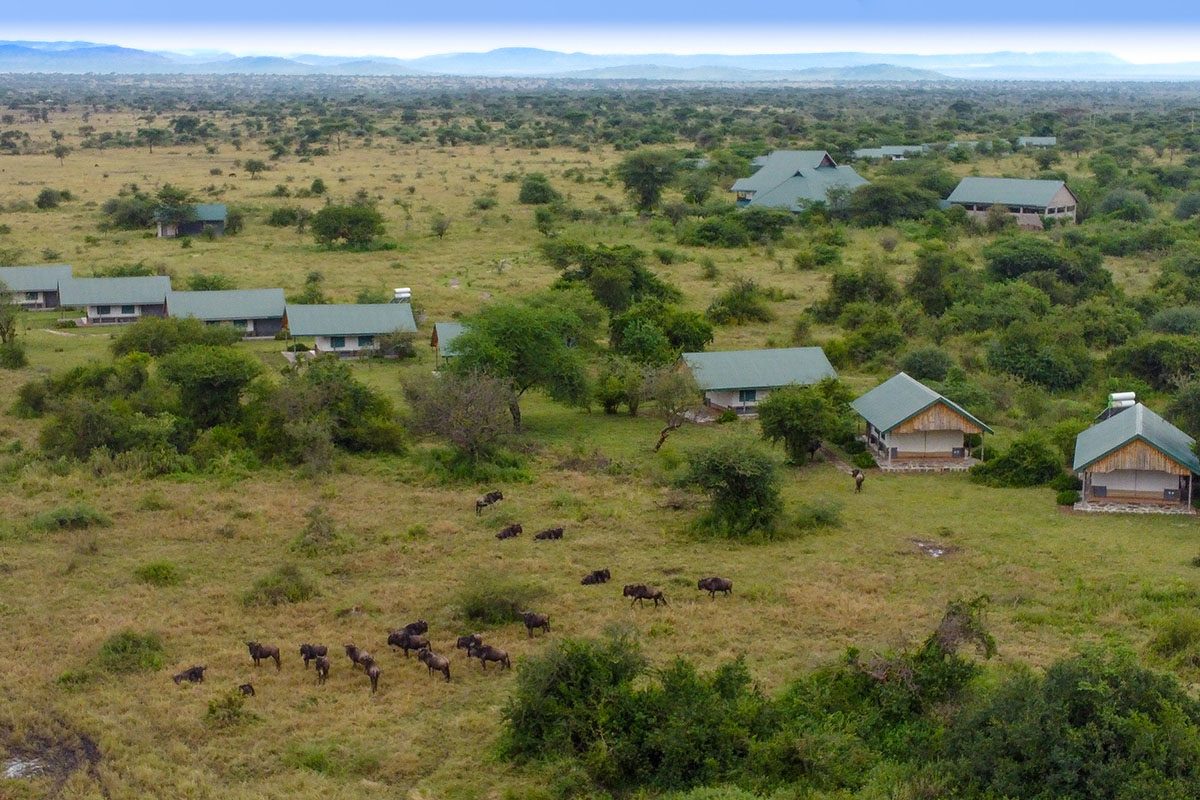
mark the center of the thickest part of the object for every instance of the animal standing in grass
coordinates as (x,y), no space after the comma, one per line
(406,641)
(356,654)
(489,499)
(432,661)
(859,477)
(640,592)
(714,584)
(534,620)
(373,673)
(260,652)
(486,653)
(310,651)
(247,689)
(322,663)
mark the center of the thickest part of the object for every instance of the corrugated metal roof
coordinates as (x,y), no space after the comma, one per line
(349,319)
(211,212)
(759,369)
(890,150)
(446,333)
(41,278)
(1136,423)
(1006,192)
(227,304)
(144,290)
(811,187)
(777,167)
(1035,141)
(900,398)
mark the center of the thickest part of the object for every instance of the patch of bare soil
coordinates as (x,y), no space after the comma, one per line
(56,756)
(934,549)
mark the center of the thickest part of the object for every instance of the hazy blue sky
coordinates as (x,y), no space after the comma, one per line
(1146,31)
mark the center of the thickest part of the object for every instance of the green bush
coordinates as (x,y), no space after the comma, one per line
(159,573)
(228,709)
(742,483)
(333,759)
(863,460)
(12,356)
(1031,461)
(130,651)
(157,336)
(490,600)
(285,584)
(741,303)
(928,363)
(77,517)
(1177,635)
(320,536)
(727,416)
(1067,497)
(536,190)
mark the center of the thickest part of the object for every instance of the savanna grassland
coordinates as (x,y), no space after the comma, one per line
(410,544)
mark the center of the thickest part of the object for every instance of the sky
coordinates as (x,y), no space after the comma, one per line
(1148,31)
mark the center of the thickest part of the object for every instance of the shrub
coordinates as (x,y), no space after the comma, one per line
(130,651)
(1176,635)
(797,416)
(490,600)
(333,759)
(228,709)
(818,514)
(1067,497)
(927,363)
(285,584)
(1188,206)
(1127,204)
(536,190)
(1183,320)
(159,573)
(12,355)
(77,517)
(742,482)
(320,537)
(50,198)
(157,336)
(741,303)
(863,460)
(1031,461)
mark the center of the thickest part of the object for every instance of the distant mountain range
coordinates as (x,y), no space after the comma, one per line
(88,57)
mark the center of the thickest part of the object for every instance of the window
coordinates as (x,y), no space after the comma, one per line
(337,342)
(127,310)
(366,341)
(240,323)
(32,296)
(103,311)
(747,395)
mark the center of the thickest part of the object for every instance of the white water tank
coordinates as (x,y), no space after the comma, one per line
(1122,399)
(402,295)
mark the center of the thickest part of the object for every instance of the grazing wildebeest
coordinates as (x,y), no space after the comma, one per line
(640,592)
(247,689)
(549,533)
(510,531)
(859,477)
(259,652)
(489,499)
(466,642)
(420,626)
(322,663)
(354,654)
(365,659)
(434,662)
(533,620)
(373,674)
(596,576)
(486,653)
(191,675)
(714,584)
(407,641)
(310,651)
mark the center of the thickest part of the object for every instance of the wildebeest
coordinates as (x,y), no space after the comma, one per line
(859,477)
(466,642)
(322,663)
(714,584)
(407,641)
(596,576)
(434,662)
(640,592)
(491,498)
(534,620)
(247,689)
(486,653)
(549,533)
(259,652)
(365,659)
(373,674)
(310,651)
(510,531)
(420,626)
(355,654)
(191,675)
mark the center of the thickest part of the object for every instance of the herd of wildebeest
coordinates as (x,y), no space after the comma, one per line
(413,636)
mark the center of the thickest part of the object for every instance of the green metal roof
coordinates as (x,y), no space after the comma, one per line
(1135,423)
(899,399)
(445,333)
(42,278)
(891,151)
(145,290)
(350,319)
(1037,141)
(759,369)
(211,212)
(227,304)
(1006,192)
(793,178)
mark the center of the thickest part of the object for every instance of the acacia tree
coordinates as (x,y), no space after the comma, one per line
(255,166)
(355,226)
(175,205)
(646,173)
(797,416)
(153,136)
(468,409)
(211,380)
(674,392)
(8,316)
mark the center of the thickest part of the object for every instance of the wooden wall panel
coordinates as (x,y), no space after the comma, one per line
(938,417)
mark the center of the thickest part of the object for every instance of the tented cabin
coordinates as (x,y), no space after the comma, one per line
(34,288)
(113,301)
(909,424)
(442,340)
(1028,201)
(206,218)
(1136,457)
(256,312)
(349,329)
(794,179)
(738,380)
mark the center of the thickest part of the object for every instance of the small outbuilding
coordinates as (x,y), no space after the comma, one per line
(256,312)
(34,288)
(1136,457)
(206,218)
(738,380)
(348,329)
(1037,141)
(910,425)
(1028,201)
(442,340)
(113,301)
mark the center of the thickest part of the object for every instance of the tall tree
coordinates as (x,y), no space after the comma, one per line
(646,173)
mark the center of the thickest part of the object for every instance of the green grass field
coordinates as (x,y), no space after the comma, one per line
(1057,581)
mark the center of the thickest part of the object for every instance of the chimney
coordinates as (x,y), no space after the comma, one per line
(402,295)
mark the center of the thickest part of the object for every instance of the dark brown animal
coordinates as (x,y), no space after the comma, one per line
(533,620)
(510,531)
(434,662)
(489,499)
(322,663)
(191,675)
(260,652)
(640,592)
(310,651)
(407,641)
(549,533)
(596,576)
(714,584)
(486,653)
(354,654)
(247,689)
(373,674)
(466,642)
(365,659)
(420,626)
(859,477)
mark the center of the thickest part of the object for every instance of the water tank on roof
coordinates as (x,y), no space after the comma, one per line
(402,295)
